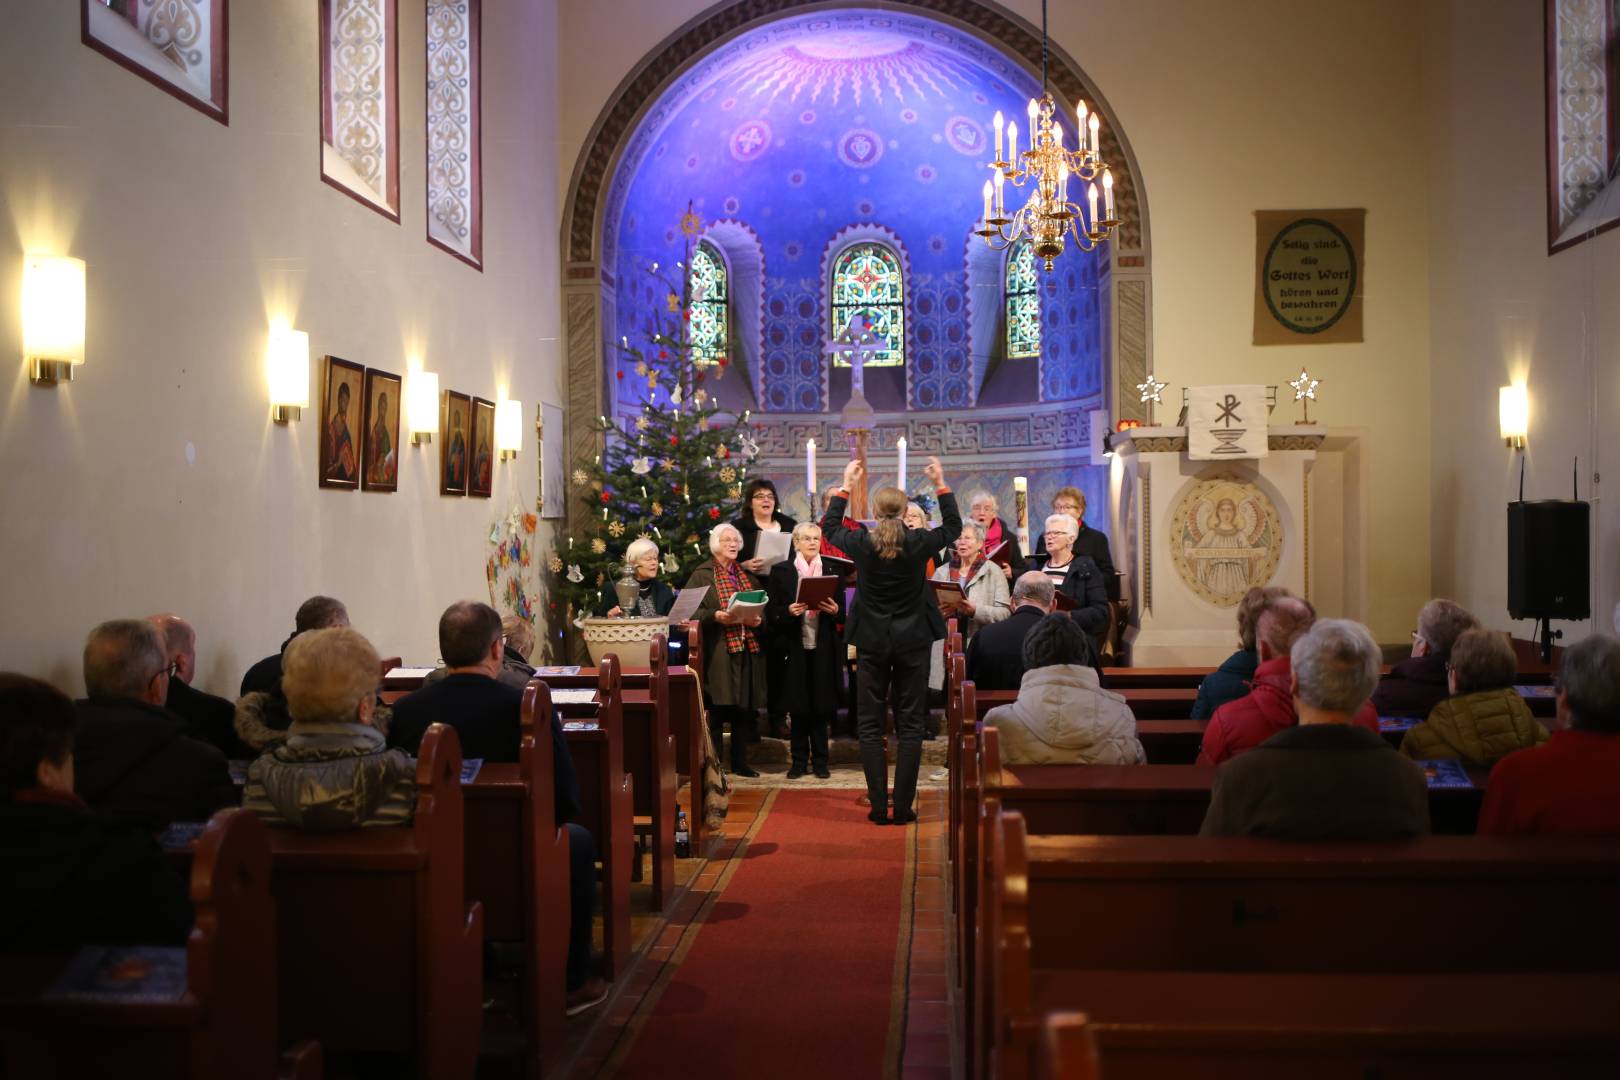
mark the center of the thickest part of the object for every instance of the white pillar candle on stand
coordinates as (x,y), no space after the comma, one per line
(1021,510)
(901,446)
(810,474)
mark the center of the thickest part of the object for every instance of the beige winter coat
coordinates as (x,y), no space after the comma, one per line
(1063,716)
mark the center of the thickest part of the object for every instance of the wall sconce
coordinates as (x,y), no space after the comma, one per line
(289,374)
(422,404)
(53,317)
(1513,414)
(508,428)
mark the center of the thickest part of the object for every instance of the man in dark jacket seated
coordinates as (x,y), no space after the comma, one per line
(135,764)
(208,718)
(487,715)
(1230,681)
(71,879)
(261,712)
(1325,778)
(1414,687)
(995,655)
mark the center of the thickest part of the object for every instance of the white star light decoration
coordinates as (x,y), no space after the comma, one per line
(1151,391)
(1305,392)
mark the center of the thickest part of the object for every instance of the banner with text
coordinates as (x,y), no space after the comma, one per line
(1226,422)
(1308,276)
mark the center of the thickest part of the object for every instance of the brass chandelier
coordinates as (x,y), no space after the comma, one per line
(1048,219)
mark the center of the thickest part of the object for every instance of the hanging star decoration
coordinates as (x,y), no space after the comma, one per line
(1152,394)
(1305,393)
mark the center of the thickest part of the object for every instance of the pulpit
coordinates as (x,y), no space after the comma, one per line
(1192,536)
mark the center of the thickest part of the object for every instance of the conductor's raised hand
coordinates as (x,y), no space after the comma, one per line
(852,472)
(935,472)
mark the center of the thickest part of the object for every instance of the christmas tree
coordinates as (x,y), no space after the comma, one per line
(670,469)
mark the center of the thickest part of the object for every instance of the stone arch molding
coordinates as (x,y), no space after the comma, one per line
(588,304)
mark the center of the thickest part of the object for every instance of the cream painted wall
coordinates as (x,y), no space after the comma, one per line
(1502,309)
(1230,108)
(156,480)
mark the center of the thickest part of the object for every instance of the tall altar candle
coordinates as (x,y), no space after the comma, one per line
(1021,508)
(901,446)
(810,475)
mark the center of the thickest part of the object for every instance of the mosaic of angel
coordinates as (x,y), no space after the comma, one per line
(1226,539)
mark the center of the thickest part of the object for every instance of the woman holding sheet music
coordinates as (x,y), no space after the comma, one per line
(760,517)
(984,596)
(806,604)
(734,664)
(1075,576)
(893,625)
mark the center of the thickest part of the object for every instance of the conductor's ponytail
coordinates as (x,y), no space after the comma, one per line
(889,534)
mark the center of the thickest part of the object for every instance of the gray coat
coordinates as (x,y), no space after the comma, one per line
(329,777)
(728,678)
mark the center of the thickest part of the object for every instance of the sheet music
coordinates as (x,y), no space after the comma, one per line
(686,604)
(773,547)
(409,673)
(572,696)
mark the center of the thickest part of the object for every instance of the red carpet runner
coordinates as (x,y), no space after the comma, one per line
(792,972)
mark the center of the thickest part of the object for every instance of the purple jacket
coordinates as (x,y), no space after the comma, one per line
(1412,687)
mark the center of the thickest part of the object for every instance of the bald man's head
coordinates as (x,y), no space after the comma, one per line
(179,641)
(1283,622)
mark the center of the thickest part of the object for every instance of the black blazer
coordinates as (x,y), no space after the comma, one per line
(1084,585)
(750,531)
(894,608)
(995,655)
(1090,543)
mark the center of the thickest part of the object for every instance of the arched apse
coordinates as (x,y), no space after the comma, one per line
(802,121)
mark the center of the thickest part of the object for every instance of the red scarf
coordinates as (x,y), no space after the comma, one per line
(728,582)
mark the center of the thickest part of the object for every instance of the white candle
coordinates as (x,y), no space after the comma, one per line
(1012,145)
(1034,110)
(1000,123)
(1080,121)
(1094,126)
(1000,205)
(1063,182)
(1108,194)
(987,202)
(810,472)
(901,446)
(1021,510)
(1091,197)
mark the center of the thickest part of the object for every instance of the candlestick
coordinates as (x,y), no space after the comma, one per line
(1000,122)
(810,474)
(900,445)
(1108,193)
(987,203)
(1012,146)
(1000,205)
(1091,197)
(1094,124)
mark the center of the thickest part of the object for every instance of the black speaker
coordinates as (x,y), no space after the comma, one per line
(1549,559)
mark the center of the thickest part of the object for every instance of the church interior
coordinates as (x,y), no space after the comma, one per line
(554,251)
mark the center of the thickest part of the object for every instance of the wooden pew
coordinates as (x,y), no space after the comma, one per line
(1176,947)
(222,1028)
(1068,1051)
(377,948)
(517,867)
(607,810)
(650,749)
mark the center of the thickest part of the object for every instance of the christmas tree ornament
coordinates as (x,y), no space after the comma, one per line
(575,574)
(641,467)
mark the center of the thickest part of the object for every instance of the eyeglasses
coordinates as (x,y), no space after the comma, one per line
(171,670)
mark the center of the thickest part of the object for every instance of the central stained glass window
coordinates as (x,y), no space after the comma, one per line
(707,284)
(1023,304)
(866,281)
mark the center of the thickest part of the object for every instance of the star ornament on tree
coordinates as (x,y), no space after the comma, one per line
(1305,393)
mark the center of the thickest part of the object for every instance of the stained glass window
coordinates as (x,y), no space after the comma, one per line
(1023,303)
(866,281)
(707,281)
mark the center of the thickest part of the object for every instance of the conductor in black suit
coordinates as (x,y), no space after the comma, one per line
(893,625)
(995,655)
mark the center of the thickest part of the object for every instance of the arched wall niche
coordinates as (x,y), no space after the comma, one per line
(591,271)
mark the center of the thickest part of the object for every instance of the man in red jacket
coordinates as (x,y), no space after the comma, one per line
(1571,783)
(1269,707)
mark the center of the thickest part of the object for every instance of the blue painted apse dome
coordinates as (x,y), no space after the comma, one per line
(806,136)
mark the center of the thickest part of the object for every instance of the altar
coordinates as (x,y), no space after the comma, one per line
(1192,536)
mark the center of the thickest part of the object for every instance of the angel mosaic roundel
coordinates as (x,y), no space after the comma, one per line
(1225,538)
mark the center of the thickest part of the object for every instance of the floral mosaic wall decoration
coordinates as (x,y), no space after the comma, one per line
(454,152)
(180,46)
(360,101)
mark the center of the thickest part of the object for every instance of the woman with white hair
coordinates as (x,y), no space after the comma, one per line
(807,640)
(734,669)
(655,597)
(983,508)
(1075,576)
(986,596)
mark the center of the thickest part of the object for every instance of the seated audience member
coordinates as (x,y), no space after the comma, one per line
(1414,687)
(1268,707)
(134,762)
(1325,778)
(471,697)
(71,879)
(487,715)
(995,655)
(1485,719)
(334,771)
(515,667)
(1230,681)
(1075,576)
(1572,784)
(1063,716)
(208,718)
(261,710)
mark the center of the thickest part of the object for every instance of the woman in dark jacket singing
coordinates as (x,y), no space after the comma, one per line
(807,640)
(893,625)
(734,664)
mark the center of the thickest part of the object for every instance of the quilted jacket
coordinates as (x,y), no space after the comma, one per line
(1480,728)
(1063,716)
(329,777)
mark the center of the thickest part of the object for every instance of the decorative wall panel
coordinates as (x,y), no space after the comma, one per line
(360,101)
(454,150)
(181,46)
